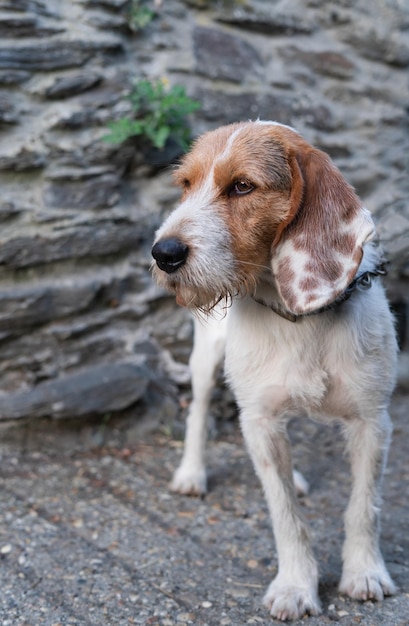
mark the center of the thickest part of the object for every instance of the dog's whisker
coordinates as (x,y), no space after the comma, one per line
(251,264)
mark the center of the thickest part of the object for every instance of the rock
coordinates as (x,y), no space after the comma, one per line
(8,210)
(64,173)
(22,158)
(54,55)
(96,240)
(223,108)
(377,46)
(318,115)
(223,56)
(78,326)
(95,106)
(76,119)
(95,348)
(109,21)
(394,230)
(68,86)
(93,193)
(8,110)
(65,152)
(95,390)
(27,307)
(13,77)
(273,21)
(14,26)
(109,4)
(36,6)
(197,4)
(327,62)
(403,371)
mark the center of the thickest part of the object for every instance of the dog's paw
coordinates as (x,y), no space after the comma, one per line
(288,602)
(367,584)
(189,481)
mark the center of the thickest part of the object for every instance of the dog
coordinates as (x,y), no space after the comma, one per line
(268,227)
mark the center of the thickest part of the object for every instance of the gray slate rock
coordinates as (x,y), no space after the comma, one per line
(95,240)
(13,77)
(25,158)
(8,110)
(223,56)
(95,193)
(68,86)
(95,390)
(54,55)
(381,47)
(327,62)
(16,25)
(28,307)
(267,19)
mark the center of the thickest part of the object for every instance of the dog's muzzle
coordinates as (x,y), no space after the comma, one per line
(170,254)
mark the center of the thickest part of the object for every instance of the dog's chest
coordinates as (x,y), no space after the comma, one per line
(271,358)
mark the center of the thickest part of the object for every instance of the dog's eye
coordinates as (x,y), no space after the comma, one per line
(241,188)
(186,183)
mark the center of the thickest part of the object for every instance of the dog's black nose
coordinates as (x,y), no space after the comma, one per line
(170,254)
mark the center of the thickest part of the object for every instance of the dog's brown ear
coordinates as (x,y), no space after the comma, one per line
(317,251)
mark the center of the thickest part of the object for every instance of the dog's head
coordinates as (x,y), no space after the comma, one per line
(259,200)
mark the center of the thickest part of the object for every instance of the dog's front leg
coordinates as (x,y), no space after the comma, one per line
(208,349)
(294,591)
(364,575)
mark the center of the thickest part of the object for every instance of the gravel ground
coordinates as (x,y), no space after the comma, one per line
(93,537)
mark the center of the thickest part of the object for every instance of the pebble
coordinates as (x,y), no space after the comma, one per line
(78,523)
(186,617)
(238,592)
(206,604)
(6,549)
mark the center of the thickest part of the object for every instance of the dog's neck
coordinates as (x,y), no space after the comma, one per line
(266,294)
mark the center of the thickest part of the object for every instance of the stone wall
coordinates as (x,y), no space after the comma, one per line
(83,331)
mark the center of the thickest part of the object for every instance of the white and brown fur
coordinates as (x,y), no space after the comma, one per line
(265,217)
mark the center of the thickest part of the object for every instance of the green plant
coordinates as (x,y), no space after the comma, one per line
(159,113)
(139,15)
